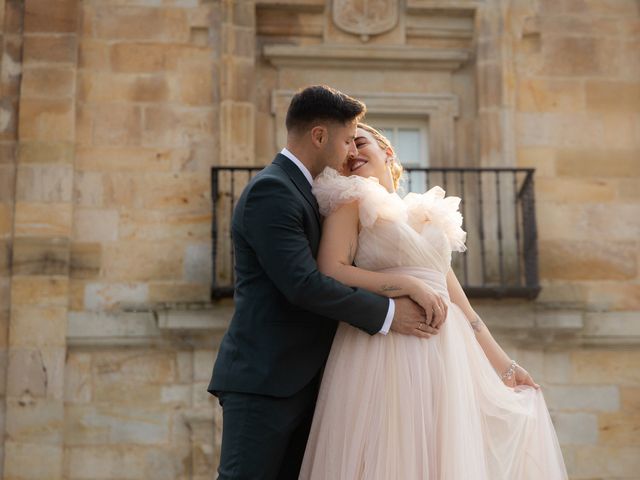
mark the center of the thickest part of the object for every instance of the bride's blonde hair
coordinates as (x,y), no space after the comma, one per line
(384,143)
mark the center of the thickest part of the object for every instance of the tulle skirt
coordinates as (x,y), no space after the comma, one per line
(396,407)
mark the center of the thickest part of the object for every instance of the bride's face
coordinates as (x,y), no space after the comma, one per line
(372,160)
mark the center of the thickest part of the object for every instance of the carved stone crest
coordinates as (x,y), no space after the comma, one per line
(365,17)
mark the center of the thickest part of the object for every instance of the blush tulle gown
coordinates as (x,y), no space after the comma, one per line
(396,407)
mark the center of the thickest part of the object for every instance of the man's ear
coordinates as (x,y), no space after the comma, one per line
(319,135)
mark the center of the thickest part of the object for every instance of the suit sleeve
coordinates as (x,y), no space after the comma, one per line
(272,223)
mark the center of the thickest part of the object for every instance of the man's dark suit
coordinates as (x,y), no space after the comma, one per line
(269,363)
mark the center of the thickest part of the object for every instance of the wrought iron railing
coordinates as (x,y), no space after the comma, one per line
(498,206)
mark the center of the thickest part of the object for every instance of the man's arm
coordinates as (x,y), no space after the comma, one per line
(272,221)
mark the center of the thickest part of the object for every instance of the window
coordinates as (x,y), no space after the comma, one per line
(409,136)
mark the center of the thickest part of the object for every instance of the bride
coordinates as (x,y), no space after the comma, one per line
(450,407)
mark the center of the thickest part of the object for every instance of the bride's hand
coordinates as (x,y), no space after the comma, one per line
(520,377)
(434,306)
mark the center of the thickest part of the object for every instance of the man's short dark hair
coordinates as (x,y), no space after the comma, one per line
(322,103)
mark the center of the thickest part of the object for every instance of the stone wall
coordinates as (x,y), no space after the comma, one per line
(112,114)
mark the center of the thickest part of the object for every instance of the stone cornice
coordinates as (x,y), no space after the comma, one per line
(366,56)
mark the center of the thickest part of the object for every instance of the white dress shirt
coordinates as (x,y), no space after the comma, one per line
(392,305)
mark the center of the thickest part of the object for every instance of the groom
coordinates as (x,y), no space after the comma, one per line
(270,362)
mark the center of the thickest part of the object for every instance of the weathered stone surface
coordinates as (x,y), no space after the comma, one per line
(610,96)
(42,16)
(95,225)
(153,261)
(196,125)
(44,183)
(597,163)
(108,296)
(46,152)
(45,291)
(117,124)
(575,190)
(130,159)
(171,292)
(116,424)
(135,367)
(124,462)
(86,260)
(543,95)
(576,428)
(582,398)
(588,260)
(604,366)
(36,373)
(601,461)
(39,82)
(50,48)
(621,428)
(47,120)
(630,398)
(41,256)
(77,378)
(43,219)
(35,326)
(123,23)
(20,460)
(36,420)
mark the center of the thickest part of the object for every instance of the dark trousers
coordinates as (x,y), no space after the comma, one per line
(264,438)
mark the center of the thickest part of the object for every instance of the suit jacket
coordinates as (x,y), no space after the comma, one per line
(286,311)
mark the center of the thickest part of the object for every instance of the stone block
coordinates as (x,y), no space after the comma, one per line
(540,158)
(184,366)
(533,131)
(630,399)
(620,130)
(35,372)
(40,256)
(171,292)
(238,79)
(110,296)
(47,120)
(88,189)
(86,260)
(43,219)
(142,261)
(77,378)
(106,463)
(620,428)
(130,159)
(197,263)
(43,291)
(203,361)
(597,163)
(143,57)
(76,295)
(557,367)
(588,260)
(576,428)
(160,24)
(609,462)
(612,96)
(585,398)
(7,183)
(177,192)
(95,225)
(128,395)
(114,424)
(117,124)
(202,398)
(27,461)
(44,183)
(565,190)
(194,125)
(163,225)
(134,368)
(37,421)
(49,48)
(94,54)
(6,227)
(43,16)
(101,87)
(46,152)
(605,296)
(555,221)
(196,87)
(237,132)
(176,395)
(5,256)
(606,366)
(49,81)
(578,56)
(34,326)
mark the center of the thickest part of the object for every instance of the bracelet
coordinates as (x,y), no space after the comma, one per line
(510,371)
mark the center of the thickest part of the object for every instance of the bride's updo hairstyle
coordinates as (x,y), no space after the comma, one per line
(384,143)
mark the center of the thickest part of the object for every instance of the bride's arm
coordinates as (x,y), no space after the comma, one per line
(494,352)
(338,247)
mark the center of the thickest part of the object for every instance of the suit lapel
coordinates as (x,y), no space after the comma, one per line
(299,180)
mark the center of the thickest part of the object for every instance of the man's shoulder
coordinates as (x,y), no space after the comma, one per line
(271,179)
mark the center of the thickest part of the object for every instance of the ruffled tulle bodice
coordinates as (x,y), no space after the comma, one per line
(419,230)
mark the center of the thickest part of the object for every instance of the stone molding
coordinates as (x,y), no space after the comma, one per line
(440,110)
(517,323)
(355,17)
(365,56)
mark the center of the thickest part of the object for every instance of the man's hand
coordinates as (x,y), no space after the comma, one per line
(410,319)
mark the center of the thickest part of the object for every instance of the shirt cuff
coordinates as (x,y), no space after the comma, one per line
(387,321)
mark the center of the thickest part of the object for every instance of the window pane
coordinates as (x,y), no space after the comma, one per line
(408,146)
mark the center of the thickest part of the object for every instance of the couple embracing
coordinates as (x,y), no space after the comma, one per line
(354,353)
